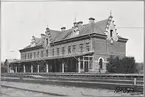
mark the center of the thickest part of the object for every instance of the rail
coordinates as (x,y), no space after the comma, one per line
(82,75)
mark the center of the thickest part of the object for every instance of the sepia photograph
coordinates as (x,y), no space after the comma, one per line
(72,49)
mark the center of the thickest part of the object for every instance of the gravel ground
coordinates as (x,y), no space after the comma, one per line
(10,92)
(64,90)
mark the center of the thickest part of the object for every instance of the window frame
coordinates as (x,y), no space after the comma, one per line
(57,51)
(69,49)
(88,46)
(81,47)
(53,52)
(63,50)
(47,53)
(74,48)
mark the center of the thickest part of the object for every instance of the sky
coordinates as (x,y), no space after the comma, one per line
(22,20)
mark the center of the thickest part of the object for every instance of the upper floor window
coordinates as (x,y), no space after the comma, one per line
(46,52)
(52,52)
(88,46)
(30,55)
(38,54)
(57,51)
(81,47)
(34,54)
(74,48)
(69,49)
(42,54)
(63,50)
(21,56)
(25,56)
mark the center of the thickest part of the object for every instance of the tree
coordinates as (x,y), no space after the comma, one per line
(124,65)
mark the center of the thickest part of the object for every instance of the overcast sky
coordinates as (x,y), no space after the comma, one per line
(22,20)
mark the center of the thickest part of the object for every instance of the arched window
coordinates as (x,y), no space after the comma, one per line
(101,63)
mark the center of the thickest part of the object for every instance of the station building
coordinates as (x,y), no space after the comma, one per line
(82,48)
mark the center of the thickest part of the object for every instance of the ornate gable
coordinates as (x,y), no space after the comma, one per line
(111,30)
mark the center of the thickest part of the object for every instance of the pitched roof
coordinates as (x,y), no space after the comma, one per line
(55,34)
(38,42)
(97,27)
(10,60)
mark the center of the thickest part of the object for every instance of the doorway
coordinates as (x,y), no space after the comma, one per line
(86,66)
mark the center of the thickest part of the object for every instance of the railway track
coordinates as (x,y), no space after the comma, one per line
(108,81)
(80,75)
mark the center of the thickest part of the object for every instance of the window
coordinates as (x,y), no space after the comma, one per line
(111,31)
(47,53)
(63,51)
(25,56)
(74,48)
(42,54)
(52,52)
(46,41)
(34,54)
(81,47)
(69,49)
(90,63)
(21,56)
(57,51)
(30,55)
(38,54)
(88,46)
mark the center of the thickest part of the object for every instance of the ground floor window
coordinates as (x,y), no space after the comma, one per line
(86,63)
(90,62)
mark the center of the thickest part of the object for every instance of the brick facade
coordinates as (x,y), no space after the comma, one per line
(83,48)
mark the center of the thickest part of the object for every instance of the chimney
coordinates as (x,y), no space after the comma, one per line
(47,30)
(91,20)
(63,28)
(42,35)
(33,41)
(80,23)
(33,37)
(75,24)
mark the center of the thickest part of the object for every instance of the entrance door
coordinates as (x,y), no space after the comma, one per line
(86,66)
